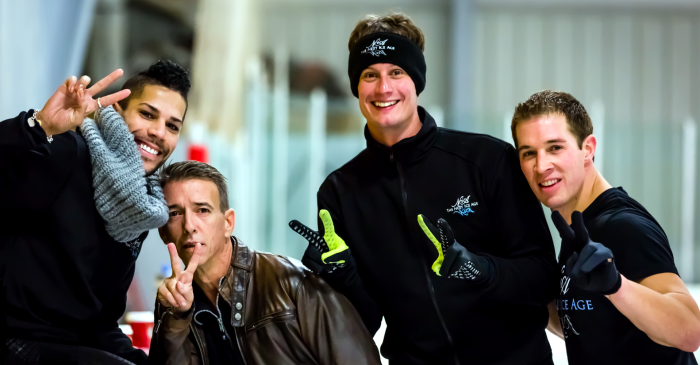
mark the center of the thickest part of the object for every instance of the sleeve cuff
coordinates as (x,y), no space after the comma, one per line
(643,273)
(17,133)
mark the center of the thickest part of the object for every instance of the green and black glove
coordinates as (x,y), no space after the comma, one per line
(326,253)
(454,260)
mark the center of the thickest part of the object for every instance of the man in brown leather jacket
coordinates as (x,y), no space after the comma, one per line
(233,305)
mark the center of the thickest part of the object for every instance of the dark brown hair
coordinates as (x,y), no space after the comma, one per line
(164,73)
(396,23)
(547,102)
(195,170)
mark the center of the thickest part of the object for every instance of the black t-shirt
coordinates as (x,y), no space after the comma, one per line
(222,346)
(594,330)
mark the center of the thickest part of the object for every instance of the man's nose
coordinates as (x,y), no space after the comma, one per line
(189,222)
(157,129)
(385,85)
(543,163)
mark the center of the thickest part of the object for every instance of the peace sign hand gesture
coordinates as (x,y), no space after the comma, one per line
(592,265)
(72,101)
(176,291)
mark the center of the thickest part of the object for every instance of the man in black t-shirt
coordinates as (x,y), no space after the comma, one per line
(621,300)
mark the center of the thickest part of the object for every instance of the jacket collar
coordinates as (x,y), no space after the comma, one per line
(233,288)
(241,256)
(407,149)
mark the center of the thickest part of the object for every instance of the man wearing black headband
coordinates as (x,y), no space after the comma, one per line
(474,291)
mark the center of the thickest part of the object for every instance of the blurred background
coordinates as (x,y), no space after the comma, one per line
(271,107)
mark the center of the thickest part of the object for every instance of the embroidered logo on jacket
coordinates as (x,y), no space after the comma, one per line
(377,48)
(462,207)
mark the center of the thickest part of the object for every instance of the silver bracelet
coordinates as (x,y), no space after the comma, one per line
(31,121)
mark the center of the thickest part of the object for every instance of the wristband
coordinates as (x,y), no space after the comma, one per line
(31,121)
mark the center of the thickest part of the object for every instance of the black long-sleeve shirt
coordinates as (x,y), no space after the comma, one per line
(65,278)
(474,182)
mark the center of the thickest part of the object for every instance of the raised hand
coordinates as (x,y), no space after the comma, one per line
(72,101)
(176,291)
(325,253)
(454,260)
(592,266)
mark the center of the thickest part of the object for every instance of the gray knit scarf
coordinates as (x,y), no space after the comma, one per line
(128,201)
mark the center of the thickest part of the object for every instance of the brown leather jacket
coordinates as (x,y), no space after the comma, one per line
(288,315)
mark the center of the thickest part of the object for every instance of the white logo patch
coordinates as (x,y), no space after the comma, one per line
(377,48)
(462,207)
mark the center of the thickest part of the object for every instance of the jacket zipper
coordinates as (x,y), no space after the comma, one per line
(221,324)
(404,196)
(236,331)
(223,328)
(198,340)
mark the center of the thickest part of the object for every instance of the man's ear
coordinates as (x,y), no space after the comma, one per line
(118,109)
(163,232)
(589,146)
(230,222)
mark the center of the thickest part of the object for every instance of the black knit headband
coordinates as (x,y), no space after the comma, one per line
(386,48)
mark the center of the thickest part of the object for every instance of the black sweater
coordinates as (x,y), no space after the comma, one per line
(374,201)
(65,278)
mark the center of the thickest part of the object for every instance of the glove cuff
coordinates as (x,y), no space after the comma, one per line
(486,267)
(615,287)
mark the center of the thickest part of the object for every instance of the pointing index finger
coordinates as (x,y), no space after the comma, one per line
(194,261)
(100,85)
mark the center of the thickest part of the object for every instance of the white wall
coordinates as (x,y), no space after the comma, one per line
(313,30)
(42,43)
(640,63)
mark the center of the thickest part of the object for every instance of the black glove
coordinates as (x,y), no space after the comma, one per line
(592,266)
(326,253)
(457,262)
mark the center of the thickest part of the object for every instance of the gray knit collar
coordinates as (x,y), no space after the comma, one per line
(128,201)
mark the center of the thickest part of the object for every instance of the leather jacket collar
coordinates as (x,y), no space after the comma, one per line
(234,284)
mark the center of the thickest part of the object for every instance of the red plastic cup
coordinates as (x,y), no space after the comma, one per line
(142,327)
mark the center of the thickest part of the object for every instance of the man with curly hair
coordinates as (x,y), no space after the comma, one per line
(83,198)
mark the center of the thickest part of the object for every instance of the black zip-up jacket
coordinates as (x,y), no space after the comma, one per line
(374,201)
(65,279)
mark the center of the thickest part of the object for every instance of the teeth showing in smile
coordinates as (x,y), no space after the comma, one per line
(148,149)
(384,105)
(549,182)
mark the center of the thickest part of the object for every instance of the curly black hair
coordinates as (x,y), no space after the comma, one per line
(164,73)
